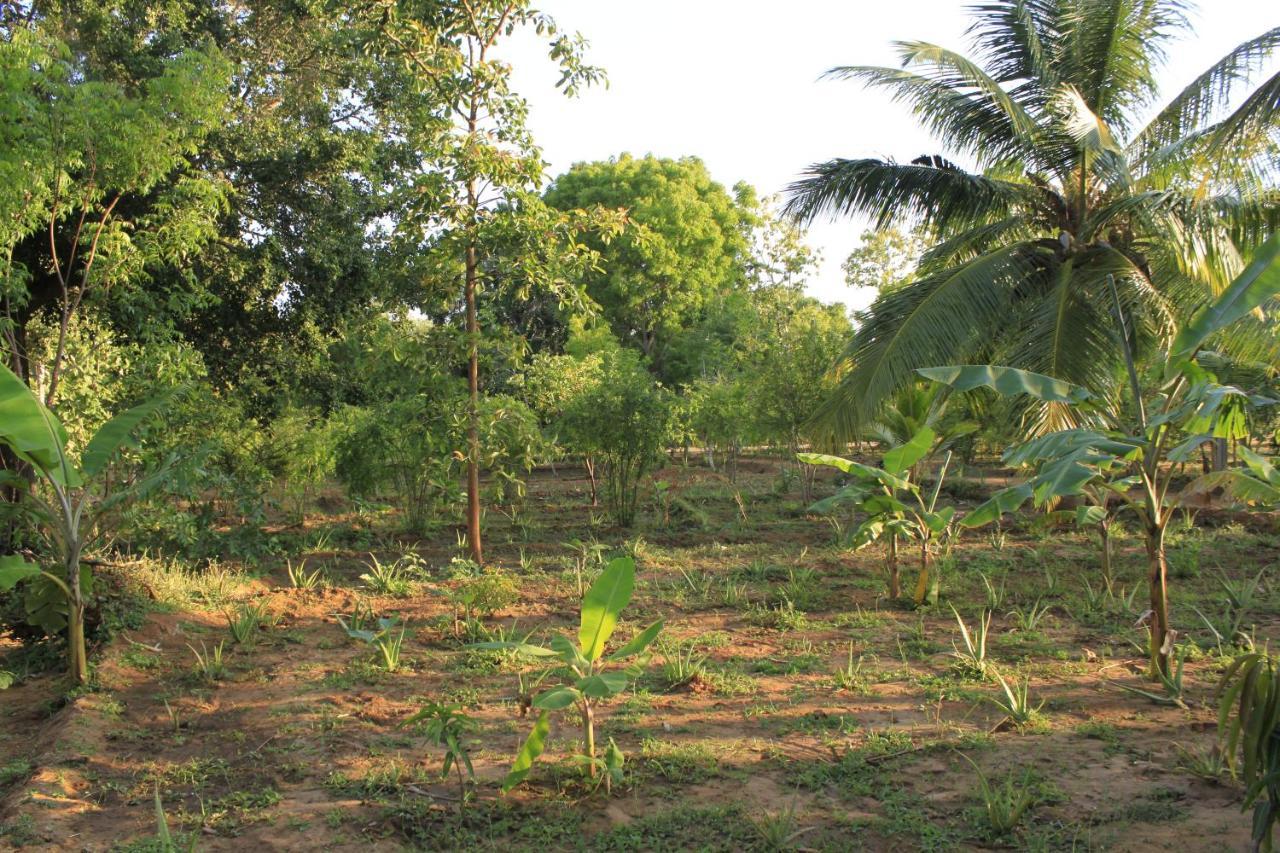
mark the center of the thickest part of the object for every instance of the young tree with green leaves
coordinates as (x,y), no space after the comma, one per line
(479,168)
(1069,191)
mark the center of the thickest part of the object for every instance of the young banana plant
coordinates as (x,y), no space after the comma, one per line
(1132,453)
(896,507)
(590,675)
(70,510)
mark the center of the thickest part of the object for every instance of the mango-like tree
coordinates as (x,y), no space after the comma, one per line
(1131,450)
(1067,191)
(71,508)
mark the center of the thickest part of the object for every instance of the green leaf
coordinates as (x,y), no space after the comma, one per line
(568,652)
(1238,483)
(1005,500)
(604,685)
(534,744)
(556,698)
(1006,380)
(1259,282)
(522,648)
(603,603)
(866,472)
(1087,516)
(32,431)
(639,642)
(1259,465)
(13,569)
(903,456)
(114,433)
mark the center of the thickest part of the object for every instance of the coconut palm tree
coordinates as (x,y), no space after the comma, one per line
(1071,212)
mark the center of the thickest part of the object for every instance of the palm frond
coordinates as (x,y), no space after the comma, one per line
(939,194)
(1197,104)
(1015,39)
(1257,119)
(971,242)
(1111,50)
(938,319)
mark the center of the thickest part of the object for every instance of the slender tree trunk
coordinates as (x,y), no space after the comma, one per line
(1104,533)
(590,463)
(473,398)
(1219,454)
(895,580)
(1158,586)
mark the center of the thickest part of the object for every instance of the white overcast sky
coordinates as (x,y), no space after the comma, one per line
(735,82)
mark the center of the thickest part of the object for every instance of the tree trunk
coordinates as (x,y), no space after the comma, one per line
(895,581)
(1158,586)
(1104,532)
(1219,454)
(590,464)
(473,403)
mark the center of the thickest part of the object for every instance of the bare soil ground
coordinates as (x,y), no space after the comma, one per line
(298,745)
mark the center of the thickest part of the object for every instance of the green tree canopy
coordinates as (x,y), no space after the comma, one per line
(688,241)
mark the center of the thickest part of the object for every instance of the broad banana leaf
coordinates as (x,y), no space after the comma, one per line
(1006,380)
(603,603)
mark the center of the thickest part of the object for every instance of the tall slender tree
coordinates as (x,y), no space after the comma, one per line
(477,155)
(1067,191)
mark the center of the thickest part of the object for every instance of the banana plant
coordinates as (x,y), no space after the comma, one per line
(1251,688)
(1131,452)
(896,507)
(589,675)
(70,511)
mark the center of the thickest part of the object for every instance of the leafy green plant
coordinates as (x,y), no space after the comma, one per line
(1016,703)
(974,656)
(851,677)
(245,622)
(896,506)
(446,727)
(995,591)
(1170,683)
(591,676)
(387,578)
(681,664)
(388,645)
(588,555)
(778,831)
(209,664)
(1005,804)
(1028,618)
(1251,737)
(300,578)
(482,595)
(1130,455)
(76,513)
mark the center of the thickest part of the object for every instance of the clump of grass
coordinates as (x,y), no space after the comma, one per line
(681,664)
(778,831)
(782,616)
(209,665)
(851,676)
(1016,703)
(301,579)
(1004,804)
(245,623)
(387,578)
(973,659)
